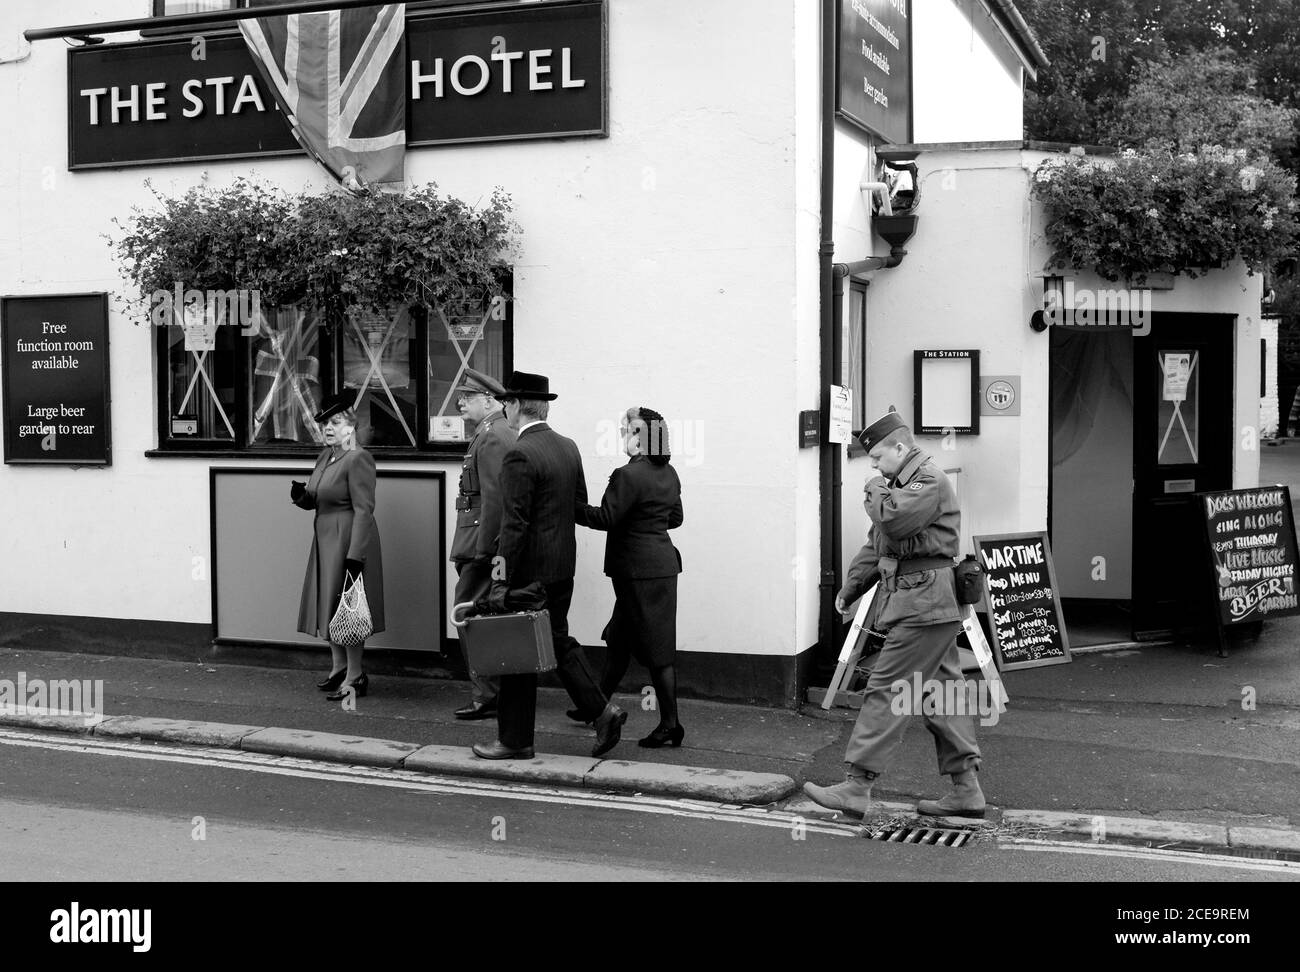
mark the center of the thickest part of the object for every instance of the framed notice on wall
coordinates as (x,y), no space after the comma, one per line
(54,356)
(946,392)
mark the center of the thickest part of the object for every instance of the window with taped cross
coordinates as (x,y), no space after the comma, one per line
(254,388)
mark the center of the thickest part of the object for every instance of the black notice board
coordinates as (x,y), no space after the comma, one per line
(874,66)
(1253,552)
(54,356)
(152,101)
(1023,600)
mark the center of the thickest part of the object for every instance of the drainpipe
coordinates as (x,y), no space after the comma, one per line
(829,468)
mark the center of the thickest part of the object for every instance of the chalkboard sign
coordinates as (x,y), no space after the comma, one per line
(54,352)
(1253,549)
(1024,603)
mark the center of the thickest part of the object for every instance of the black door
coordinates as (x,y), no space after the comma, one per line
(1183,439)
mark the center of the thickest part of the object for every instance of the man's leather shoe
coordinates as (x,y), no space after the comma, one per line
(494,750)
(477,710)
(609,729)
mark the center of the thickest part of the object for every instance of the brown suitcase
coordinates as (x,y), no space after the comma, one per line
(507,644)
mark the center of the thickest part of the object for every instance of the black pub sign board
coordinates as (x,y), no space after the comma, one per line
(874,67)
(1253,548)
(1024,601)
(537,71)
(54,356)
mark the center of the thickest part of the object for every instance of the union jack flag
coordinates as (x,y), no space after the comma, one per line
(339,77)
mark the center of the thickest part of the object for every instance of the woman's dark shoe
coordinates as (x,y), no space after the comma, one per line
(359,687)
(332,683)
(663,737)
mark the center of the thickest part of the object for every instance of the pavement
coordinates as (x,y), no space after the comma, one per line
(1163,744)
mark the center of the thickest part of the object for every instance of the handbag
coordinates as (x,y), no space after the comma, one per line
(351,624)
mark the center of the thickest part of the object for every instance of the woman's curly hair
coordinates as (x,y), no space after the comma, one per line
(654,442)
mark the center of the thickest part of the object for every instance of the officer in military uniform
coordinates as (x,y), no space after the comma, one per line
(914,537)
(478,512)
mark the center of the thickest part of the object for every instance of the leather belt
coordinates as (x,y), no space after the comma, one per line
(923,563)
(464,502)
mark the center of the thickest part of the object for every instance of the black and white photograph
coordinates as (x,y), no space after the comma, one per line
(650,442)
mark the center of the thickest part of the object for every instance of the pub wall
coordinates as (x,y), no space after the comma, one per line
(972,279)
(658,267)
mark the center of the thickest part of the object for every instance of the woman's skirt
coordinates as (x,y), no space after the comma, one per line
(644,623)
(323,582)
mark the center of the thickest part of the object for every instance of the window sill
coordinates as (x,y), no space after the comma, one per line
(380,454)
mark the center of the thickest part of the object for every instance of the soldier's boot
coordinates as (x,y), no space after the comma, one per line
(965,800)
(852,796)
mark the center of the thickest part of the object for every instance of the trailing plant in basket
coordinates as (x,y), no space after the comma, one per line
(335,250)
(383,249)
(1138,214)
(235,237)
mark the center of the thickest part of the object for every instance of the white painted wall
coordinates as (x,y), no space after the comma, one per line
(972,279)
(805,312)
(967,80)
(855,164)
(671,265)
(967,86)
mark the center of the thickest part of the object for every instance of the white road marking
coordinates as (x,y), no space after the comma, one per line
(1148,854)
(410,780)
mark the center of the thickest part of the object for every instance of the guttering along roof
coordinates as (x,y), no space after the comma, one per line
(1019,33)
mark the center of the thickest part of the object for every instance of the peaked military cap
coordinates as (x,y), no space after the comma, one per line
(476,382)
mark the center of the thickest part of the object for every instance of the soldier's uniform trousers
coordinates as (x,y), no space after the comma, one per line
(472,582)
(931,650)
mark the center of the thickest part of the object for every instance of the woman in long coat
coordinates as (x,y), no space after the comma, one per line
(345,541)
(641,504)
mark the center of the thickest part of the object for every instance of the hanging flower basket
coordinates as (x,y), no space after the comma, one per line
(1139,214)
(335,251)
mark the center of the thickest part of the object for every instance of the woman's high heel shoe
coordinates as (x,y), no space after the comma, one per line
(332,683)
(359,688)
(663,737)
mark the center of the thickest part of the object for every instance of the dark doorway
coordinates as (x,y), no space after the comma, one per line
(1183,437)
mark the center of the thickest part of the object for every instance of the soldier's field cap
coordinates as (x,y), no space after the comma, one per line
(476,382)
(880,428)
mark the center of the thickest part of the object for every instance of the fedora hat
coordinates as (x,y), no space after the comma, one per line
(524,385)
(341,402)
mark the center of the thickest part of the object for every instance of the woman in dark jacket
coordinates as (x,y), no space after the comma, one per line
(345,541)
(641,504)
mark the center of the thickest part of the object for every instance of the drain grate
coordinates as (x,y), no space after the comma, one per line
(937,836)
